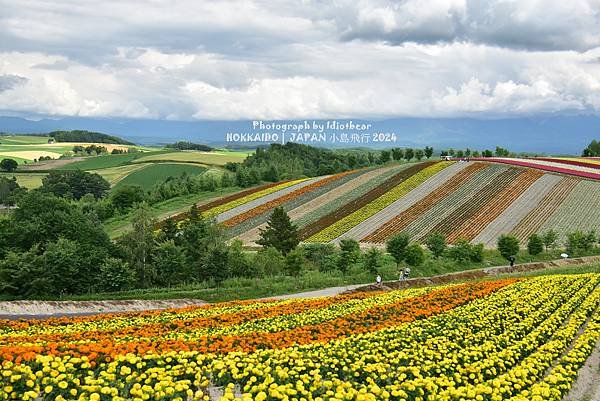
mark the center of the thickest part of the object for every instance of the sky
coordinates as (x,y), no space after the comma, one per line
(294,59)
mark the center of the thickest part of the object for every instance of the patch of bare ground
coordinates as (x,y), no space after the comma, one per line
(45,309)
(587,385)
(50,164)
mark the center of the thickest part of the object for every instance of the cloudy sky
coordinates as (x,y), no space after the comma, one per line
(292,59)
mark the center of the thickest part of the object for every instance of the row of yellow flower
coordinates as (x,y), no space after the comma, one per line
(248,198)
(341,226)
(493,348)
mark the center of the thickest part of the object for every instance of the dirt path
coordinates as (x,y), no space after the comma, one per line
(45,309)
(50,164)
(587,385)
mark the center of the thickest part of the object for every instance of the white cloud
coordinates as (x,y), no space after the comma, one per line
(262,59)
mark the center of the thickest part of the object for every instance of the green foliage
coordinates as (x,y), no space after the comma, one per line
(579,242)
(125,197)
(87,136)
(239,262)
(397,154)
(550,239)
(10,191)
(349,254)
(186,145)
(592,150)
(396,246)
(294,262)
(409,153)
(269,262)
(215,263)
(419,154)
(436,243)
(170,264)
(535,244)
(280,233)
(428,151)
(75,184)
(463,251)
(163,178)
(323,256)
(8,165)
(508,245)
(115,275)
(372,260)
(414,255)
(139,245)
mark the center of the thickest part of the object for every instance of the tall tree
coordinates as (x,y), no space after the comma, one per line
(409,153)
(396,246)
(139,244)
(280,233)
(428,151)
(8,165)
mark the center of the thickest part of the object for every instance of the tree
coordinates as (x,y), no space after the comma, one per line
(396,246)
(124,197)
(197,237)
(428,151)
(280,233)
(384,156)
(349,254)
(115,275)
(10,191)
(269,262)
(294,261)
(169,231)
(75,184)
(487,153)
(239,265)
(409,153)
(592,150)
(216,263)
(414,255)
(372,260)
(8,165)
(419,154)
(139,245)
(397,154)
(463,251)
(550,239)
(535,244)
(170,265)
(502,152)
(508,245)
(436,243)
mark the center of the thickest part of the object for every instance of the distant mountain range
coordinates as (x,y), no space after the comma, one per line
(552,134)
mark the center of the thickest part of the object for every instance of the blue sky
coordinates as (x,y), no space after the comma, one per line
(188,60)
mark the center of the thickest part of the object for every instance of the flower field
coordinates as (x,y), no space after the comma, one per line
(342,225)
(509,339)
(581,169)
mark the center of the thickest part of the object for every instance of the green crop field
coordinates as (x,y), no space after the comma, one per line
(108,161)
(23,140)
(115,174)
(218,158)
(149,175)
(26,180)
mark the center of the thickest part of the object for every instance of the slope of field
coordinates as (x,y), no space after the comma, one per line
(26,180)
(149,175)
(23,140)
(489,340)
(192,156)
(108,161)
(553,166)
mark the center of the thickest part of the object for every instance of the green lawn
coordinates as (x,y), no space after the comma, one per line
(215,158)
(151,174)
(115,174)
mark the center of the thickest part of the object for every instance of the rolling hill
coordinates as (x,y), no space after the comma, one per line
(476,200)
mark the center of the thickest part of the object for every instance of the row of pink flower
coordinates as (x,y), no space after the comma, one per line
(525,163)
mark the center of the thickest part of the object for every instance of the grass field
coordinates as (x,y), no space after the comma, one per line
(218,158)
(115,174)
(107,161)
(149,175)
(23,139)
(29,180)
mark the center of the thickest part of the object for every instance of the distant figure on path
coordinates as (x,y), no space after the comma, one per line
(378,280)
(406,273)
(512,260)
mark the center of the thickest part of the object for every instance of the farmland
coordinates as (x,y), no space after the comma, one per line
(492,340)
(150,174)
(477,201)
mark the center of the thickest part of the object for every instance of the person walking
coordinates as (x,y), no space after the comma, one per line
(378,280)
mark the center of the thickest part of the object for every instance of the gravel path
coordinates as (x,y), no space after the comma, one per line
(377,220)
(326,292)
(517,211)
(257,202)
